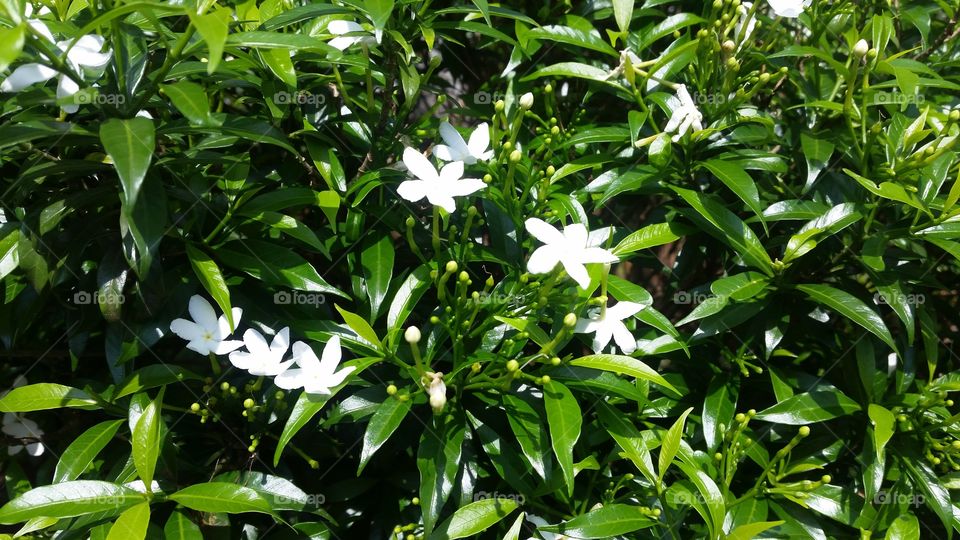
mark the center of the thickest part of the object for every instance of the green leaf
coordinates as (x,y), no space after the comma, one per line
(622,13)
(817,153)
(275,265)
(514,532)
(607,521)
(671,444)
(628,438)
(132,523)
(213,28)
(528,427)
(221,497)
(739,182)
(718,408)
(11,44)
(728,228)
(382,424)
(474,518)
(588,39)
(146,441)
(81,452)
(306,407)
(179,527)
(565,420)
(152,377)
(752,530)
(360,326)
(883,421)
(377,262)
(438,460)
(810,407)
(621,365)
(212,280)
(130,144)
(379,12)
(650,236)
(852,308)
(191,100)
(69,499)
(905,527)
(407,296)
(43,396)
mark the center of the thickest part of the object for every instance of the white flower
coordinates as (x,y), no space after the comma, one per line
(457,149)
(21,428)
(789,8)
(84,53)
(625,56)
(439,189)
(339,28)
(437,391)
(314,376)
(573,248)
(261,359)
(683,114)
(526,101)
(609,323)
(205,333)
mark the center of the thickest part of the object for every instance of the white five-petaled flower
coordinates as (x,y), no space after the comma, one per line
(261,359)
(79,54)
(789,8)
(572,248)
(439,188)
(457,149)
(24,429)
(206,334)
(314,376)
(609,323)
(684,114)
(339,28)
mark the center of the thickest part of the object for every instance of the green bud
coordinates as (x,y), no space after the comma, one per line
(513,365)
(569,320)
(248,403)
(803,431)
(499,105)
(515,156)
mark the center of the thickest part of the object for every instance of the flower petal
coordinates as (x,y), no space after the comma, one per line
(543,259)
(343,27)
(623,310)
(453,138)
(200,346)
(67,87)
(446,153)
(337,378)
(419,165)
(443,200)
(413,190)
(202,312)
(331,355)
(305,357)
(187,330)
(451,172)
(543,231)
(479,140)
(597,255)
(576,235)
(26,75)
(291,379)
(242,360)
(281,342)
(224,347)
(86,52)
(576,271)
(466,186)
(255,343)
(602,338)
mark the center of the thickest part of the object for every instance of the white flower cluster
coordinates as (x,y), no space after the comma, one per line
(207,334)
(441,187)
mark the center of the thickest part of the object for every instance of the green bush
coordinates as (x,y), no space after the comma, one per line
(662,269)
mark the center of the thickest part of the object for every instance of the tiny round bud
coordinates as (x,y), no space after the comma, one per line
(251,449)
(826,478)
(489,281)
(728,46)
(955,445)
(410,221)
(225,386)
(464,276)
(499,105)
(314,464)
(391,390)
(526,101)
(487,179)
(784,70)
(861,48)
(548,88)
(551,170)
(718,456)
(751,413)
(733,64)
(476,367)
(515,156)
(412,335)
(249,403)
(279,395)
(569,320)
(434,319)
(451,267)
(415,501)
(513,365)
(740,417)
(195,407)
(555,130)
(955,115)
(545,379)
(872,53)
(803,431)
(764,78)
(555,361)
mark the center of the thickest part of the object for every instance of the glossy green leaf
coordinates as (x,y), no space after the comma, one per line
(82,451)
(565,420)
(377,262)
(623,365)
(130,144)
(671,444)
(212,280)
(382,424)
(809,407)
(607,521)
(69,499)
(221,497)
(213,28)
(474,518)
(43,396)
(850,307)
(132,523)
(191,100)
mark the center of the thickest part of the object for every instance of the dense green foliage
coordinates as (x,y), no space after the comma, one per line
(701,282)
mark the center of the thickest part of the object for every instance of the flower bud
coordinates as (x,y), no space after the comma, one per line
(729,46)
(451,267)
(545,379)
(803,431)
(437,392)
(391,390)
(526,101)
(412,335)
(513,365)
(570,320)
(861,48)
(248,403)
(499,105)
(515,156)
(195,407)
